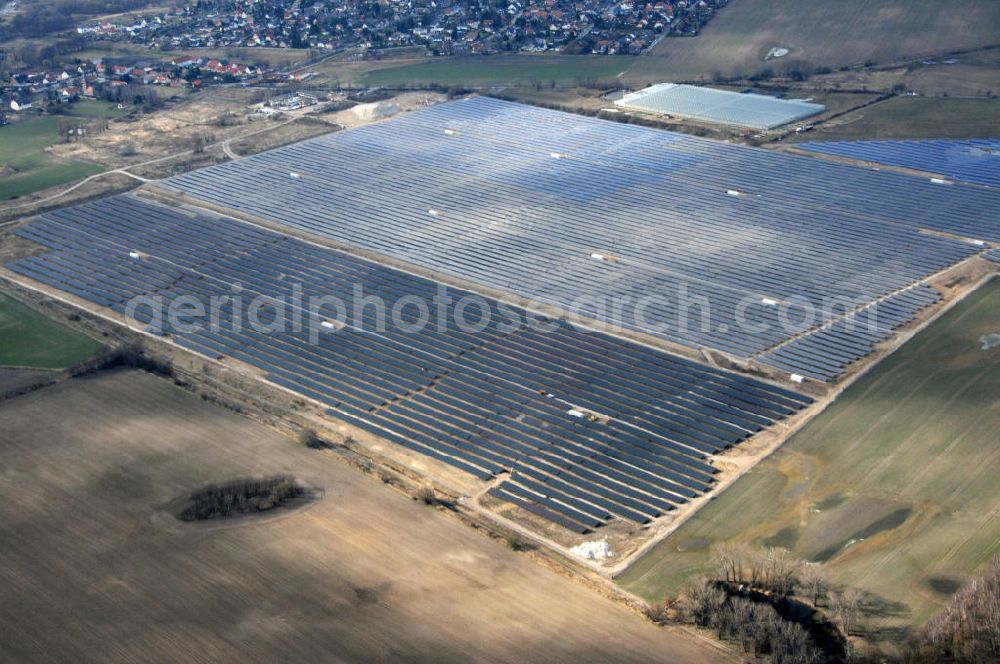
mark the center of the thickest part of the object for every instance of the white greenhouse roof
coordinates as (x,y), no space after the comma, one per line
(720,106)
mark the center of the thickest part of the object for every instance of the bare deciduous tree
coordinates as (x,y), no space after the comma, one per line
(780,571)
(772,569)
(733,561)
(968,629)
(700,601)
(814,580)
(846,607)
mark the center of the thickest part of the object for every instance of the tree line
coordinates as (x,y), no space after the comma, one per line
(967,630)
(776,606)
(129,355)
(765,601)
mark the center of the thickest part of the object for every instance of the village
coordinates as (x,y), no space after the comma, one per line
(144,83)
(445,27)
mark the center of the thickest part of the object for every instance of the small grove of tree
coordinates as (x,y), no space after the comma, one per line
(244,496)
(846,606)
(312,440)
(144,97)
(967,630)
(130,355)
(813,581)
(72,128)
(227,120)
(754,624)
(771,570)
(756,600)
(200,142)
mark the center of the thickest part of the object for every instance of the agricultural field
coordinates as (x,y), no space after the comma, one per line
(912,117)
(29,339)
(111,183)
(505,70)
(94,569)
(273,58)
(894,485)
(820,33)
(25,166)
(270,57)
(975,74)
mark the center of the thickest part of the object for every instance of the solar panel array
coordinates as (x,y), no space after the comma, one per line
(585,214)
(993,255)
(973,160)
(825,353)
(591,427)
(720,106)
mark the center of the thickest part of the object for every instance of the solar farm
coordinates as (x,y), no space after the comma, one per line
(976,161)
(582,213)
(587,415)
(520,402)
(738,109)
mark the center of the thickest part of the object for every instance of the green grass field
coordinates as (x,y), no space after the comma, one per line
(26,166)
(29,339)
(503,70)
(93,108)
(272,57)
(822,33)
(894,485)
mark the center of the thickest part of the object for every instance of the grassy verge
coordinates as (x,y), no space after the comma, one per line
(271,57)
(29,339)
(93,108)
(513,70)
(894,485)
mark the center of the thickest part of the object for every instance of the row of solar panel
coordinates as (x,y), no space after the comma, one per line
(116,219)
(497,226)
(654,220)
(724,302)
(972,160)
(832,188)
(685,262)
(590,426)
(826,353)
